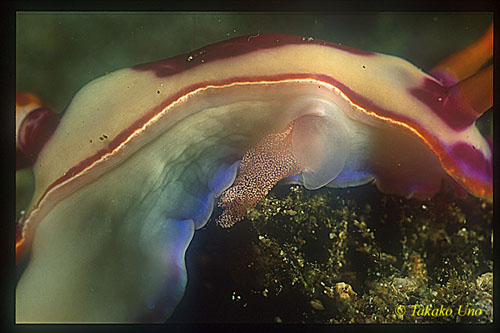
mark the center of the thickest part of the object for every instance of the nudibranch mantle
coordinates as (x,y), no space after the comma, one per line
(140,155)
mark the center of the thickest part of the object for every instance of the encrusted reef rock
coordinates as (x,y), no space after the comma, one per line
(347,256)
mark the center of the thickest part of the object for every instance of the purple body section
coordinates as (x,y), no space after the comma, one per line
(446,103)
(473,162)
(235,47)
(446,78)
(36,129)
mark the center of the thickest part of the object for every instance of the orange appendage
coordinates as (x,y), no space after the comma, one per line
(466,62)
(24,98)
(260,169)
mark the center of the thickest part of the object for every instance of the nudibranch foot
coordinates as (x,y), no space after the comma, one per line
(260,169)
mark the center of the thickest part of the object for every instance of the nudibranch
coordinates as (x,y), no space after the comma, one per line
(136,162)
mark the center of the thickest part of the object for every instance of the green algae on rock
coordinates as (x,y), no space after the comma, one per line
(354,256)
(391,251)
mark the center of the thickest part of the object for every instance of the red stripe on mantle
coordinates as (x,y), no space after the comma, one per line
(236,47)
